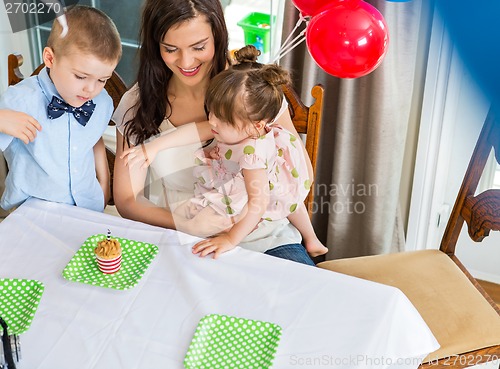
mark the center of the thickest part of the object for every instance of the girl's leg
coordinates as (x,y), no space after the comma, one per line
(293,252)
(300,220)
(205,223)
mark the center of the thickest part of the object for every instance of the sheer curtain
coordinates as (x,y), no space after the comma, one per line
(363,137)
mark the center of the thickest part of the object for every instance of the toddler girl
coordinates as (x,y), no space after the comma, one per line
(256,171)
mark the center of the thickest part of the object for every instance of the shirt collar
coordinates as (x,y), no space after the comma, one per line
(47,86)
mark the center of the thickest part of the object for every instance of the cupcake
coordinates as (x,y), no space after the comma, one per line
(108,255)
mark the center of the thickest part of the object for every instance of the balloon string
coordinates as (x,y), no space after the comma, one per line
(287,41)
(292,45)
(299,22)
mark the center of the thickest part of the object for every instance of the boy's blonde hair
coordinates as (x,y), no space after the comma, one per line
(90,31)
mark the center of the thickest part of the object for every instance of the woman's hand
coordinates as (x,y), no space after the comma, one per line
(216,245)
(128,192)
(19,125)
(142,155)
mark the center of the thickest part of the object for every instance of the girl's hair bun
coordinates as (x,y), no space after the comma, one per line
(275,75)
(247,54)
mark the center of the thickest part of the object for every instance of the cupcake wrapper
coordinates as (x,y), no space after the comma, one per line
(109,266)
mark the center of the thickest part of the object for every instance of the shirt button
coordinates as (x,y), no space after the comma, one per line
(75,148)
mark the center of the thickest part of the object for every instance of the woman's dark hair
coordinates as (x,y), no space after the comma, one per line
(153,77)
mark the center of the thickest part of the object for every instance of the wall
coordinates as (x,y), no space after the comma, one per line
(9,43)
(453,111)
(462,125)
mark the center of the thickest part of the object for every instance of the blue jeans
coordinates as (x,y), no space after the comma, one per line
(295,252)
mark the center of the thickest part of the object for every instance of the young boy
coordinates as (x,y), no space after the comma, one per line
(51,124)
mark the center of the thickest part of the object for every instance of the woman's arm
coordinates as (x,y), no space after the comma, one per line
(102,169)
(184,135)
(257,187)
(128,192)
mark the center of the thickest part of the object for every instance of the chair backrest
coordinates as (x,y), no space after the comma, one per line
(307,120)
(115,86)
(480,212)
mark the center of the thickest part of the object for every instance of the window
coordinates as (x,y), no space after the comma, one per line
(496,177)
(125,16)
(254,22)
(491,174)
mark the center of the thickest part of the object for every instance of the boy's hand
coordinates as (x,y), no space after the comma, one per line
(142,155)
(19,125)
(217,245)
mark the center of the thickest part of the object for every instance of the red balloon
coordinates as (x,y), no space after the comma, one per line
(348,40)
(313,7)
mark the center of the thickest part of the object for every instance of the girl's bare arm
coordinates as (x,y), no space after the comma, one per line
(184,135)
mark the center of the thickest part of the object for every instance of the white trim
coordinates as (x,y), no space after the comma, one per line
(488,178)
(431,126)
(109,138)
(277,9)
(488,277)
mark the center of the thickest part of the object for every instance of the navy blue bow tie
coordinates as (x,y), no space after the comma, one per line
(58,107)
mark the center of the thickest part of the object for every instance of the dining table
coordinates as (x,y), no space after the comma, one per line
(327,319)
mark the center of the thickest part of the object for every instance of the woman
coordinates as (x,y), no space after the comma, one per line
(183,45)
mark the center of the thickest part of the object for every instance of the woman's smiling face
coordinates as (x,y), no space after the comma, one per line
(188,50)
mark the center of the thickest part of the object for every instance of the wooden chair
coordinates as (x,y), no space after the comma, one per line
(307,120)
(462,317)
(115,86)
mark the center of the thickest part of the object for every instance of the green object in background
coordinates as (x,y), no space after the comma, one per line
(228,342)
(136,257)
(257,30)
(19,299)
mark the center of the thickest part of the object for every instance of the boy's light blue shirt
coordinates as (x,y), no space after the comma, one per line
(59,164)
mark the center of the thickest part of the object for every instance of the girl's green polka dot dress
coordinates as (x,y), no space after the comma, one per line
(225,342)
(19,299)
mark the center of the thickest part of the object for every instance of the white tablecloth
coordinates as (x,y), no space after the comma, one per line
(329,320)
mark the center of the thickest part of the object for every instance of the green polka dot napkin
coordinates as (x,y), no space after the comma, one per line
(136,257)
(19,300)
(225,342)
